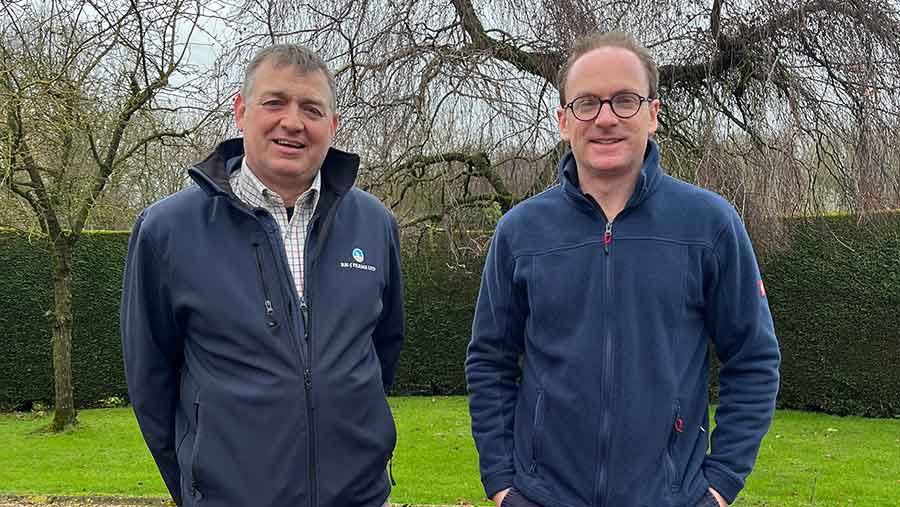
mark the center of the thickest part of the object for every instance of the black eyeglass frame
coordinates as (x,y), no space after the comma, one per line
(641,100)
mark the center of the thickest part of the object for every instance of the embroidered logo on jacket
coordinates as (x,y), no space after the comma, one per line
(358,257)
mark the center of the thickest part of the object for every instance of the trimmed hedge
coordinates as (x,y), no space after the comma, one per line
(440,303)
(26,300)
(834,293)
(835,296)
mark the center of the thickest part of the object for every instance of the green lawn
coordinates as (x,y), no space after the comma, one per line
(806,460)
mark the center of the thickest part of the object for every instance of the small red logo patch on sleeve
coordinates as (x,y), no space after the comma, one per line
(762,289)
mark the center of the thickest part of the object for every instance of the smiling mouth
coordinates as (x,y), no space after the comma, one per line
(289,144)
(605,141)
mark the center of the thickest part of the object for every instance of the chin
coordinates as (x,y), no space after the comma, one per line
(607,166)
(289,169)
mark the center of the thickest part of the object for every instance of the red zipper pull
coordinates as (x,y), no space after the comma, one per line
(607,237)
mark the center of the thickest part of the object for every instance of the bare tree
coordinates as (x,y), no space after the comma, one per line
(783,106)
(85,88)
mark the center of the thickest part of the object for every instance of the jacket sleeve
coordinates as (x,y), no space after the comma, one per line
(739,321)
(389,333)
(151,347)
(492,365)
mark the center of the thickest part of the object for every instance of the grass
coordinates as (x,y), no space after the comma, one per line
(806,460)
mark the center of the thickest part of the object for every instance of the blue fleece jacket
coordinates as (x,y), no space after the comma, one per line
(247,393)
(588,367)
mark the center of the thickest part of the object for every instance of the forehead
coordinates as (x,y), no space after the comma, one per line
(290,80)
(606,71)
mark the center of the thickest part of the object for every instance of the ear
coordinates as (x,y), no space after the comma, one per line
(654,113)
(335,121)
(240,108)
(563,120)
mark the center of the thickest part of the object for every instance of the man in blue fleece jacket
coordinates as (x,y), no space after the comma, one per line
(588,369)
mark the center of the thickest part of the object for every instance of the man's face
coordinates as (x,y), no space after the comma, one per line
(288,125)
(608,145)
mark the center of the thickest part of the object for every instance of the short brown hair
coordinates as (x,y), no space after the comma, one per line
(597,40)
(298,56)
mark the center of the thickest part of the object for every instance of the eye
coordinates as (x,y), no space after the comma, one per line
(272,103)
(626,100)
(586,104)
(313,111)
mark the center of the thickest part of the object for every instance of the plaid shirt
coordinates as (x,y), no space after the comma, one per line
(249,189)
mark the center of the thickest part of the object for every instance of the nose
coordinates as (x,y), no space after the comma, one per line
(606,117)
(292,120)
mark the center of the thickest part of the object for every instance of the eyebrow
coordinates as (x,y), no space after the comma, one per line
(613,94)
(284,96)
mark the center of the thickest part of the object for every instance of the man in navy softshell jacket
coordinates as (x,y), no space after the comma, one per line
(588,369)
(262,313)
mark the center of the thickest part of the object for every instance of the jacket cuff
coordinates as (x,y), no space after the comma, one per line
(497,482)
(723,482)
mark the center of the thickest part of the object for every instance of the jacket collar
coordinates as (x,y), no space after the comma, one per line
(648,179)
(339,170)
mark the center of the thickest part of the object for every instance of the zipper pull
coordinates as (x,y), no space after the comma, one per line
(270,310)
(307,386)
(607,237)
(304,313)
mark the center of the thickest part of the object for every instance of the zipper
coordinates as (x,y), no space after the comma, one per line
(606,394)
(270,310)
(310,406)
(307,372)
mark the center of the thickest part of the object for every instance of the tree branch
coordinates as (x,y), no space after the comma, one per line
(545,65)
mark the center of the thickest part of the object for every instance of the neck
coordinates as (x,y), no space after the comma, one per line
(289,189)
(610,191)
(289,197)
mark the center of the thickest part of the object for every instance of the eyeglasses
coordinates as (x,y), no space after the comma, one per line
(624,105)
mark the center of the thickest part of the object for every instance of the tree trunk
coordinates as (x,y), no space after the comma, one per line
(64,415)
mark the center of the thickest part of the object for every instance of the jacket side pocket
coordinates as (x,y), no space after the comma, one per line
(195,490)
(677,429)
(537,429)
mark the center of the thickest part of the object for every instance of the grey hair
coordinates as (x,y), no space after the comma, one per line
(621,40)
(297,56)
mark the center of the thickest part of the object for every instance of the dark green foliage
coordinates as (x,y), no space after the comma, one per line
(97,288)
(26,299)
(26,303)
(835,295)
(834,292)
(440,301)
